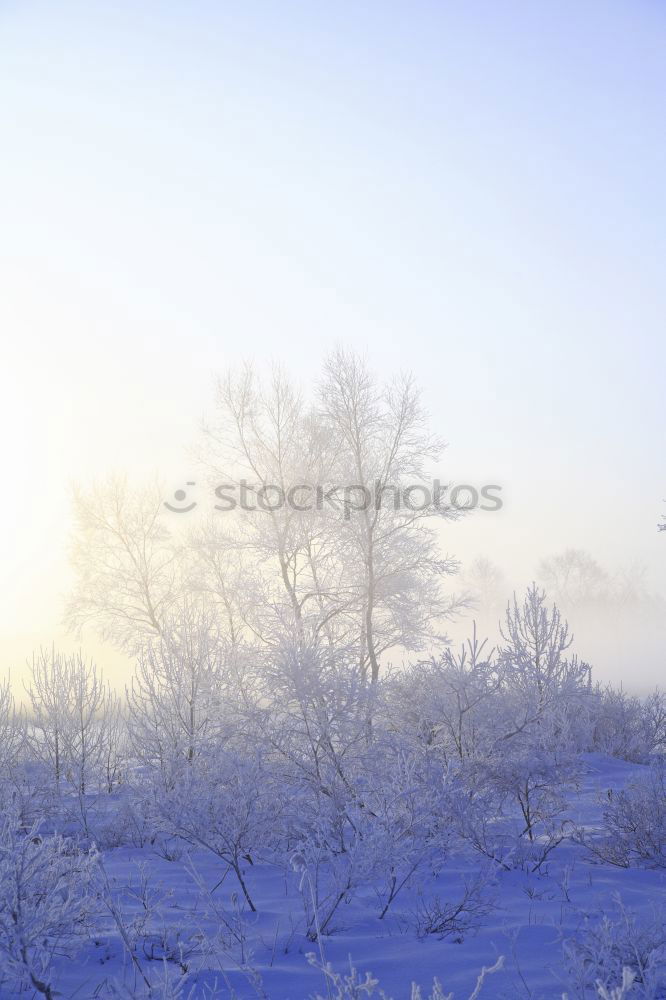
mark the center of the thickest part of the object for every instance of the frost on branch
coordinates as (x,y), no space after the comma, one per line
(47,893)
(615,955)
(354,986)
(635,823)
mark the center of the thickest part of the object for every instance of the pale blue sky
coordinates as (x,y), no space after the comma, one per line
(474,191)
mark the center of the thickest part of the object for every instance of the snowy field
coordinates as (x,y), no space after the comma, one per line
(186,913)
(284,826)
(216,838)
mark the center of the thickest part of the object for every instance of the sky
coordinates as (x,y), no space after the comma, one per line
(473,192)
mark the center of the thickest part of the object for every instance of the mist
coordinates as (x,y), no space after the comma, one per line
(333,504)
(498,242)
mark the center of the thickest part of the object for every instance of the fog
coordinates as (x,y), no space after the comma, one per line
(342,179)
(333,501)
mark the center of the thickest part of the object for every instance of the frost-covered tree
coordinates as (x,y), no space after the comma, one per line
(333,529)
(230,806)
(125,560)
(535,639)
(47,892)
(12,729)
(264,444)
(174,703)
(486,583)
(384,449)
(219,574)
(574,579)
(448,703)
(635,822)
(70,704)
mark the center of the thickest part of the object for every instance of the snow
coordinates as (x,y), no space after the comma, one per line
(534,913)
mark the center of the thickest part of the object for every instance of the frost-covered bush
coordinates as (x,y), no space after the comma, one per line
(459,916)
(468,705)
(619,727)
(407,817)
(12,731)
(511,806)
(354,986)
(382,813)
(535,639)
(75,738)
(635,823)
(478,822)
(626,726)
(315,715)
(375,825)
(175,704)
(602,950)
(654,721)
(530,780)
(331,873)
(71,715)
(446,704)
(228,805)
(47,893)
(129,820)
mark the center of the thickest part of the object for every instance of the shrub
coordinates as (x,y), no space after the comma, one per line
(351,986)
(47,891)
(635,823)
(606,951)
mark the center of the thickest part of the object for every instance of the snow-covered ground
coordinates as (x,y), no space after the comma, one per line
(188,911)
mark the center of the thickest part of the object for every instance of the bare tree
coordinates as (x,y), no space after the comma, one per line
(263,444)
(533,660)
(577,583)
(174,699)
(220,573)
(12,729)
(488,589)
(451,696)
(391,555)
(72,723)
(631,590)
(126,563)
(361,578)
(114,748)
(50,700)
(574,579)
